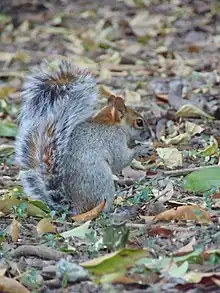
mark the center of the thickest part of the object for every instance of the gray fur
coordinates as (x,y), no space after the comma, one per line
(85,154)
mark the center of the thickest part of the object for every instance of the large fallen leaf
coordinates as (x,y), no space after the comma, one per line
(202,180)
(113,262)
(171,157)
(8,285)
(188,212)
(7,203)
(189,110)
(90,215)
(8,129)
(45,226)
(79,232)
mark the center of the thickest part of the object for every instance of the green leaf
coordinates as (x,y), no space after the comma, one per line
(114,262)
(79,232)
(178,271)
(8,129)
(8,202)
(192,257)
(40,205)
(202,180)
(6,150)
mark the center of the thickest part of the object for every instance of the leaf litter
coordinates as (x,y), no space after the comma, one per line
(163,57)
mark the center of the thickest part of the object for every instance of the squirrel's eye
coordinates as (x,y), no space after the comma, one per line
(140,122)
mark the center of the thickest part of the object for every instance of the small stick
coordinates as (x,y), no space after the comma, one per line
(135,225)
(185,171)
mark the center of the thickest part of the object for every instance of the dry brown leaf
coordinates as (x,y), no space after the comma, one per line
(90,215)
(14,230)
(137,165)
(105,74)
(187,248)
(188,212)
(8,285)
(45,226)
(171,157)
(189,110)
(128,172)
(132,97)
(123,280)
(178,139)
(161,231)
(147,219)
(164,195)
(216,195)
(192,128)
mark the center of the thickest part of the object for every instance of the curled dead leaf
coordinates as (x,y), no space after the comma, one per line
(171,157)
(45,226)
(188,212)
(14,230)
(212,148)
(90,215)
(189,110)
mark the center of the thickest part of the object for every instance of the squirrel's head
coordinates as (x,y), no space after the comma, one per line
(117,113)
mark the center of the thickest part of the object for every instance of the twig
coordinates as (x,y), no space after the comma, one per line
(38,251)
(126,181)
(135,225)
(185,171)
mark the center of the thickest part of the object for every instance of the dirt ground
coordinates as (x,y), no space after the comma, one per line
(163,58)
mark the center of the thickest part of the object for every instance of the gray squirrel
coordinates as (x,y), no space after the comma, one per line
(68,151)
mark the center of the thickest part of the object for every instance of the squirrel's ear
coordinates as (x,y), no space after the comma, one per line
(120,105)
(111,100)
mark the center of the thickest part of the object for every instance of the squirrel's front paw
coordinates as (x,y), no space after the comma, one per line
(146,151)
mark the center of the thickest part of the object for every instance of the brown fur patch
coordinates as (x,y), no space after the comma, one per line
(47,157)
(32,153)
(61,80)
(116,112)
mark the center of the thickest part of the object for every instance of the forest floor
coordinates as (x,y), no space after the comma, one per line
(163,234)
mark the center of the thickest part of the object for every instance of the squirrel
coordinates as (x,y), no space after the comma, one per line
(67,150)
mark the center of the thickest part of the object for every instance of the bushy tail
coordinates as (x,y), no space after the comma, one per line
(58,94)
(55,100)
